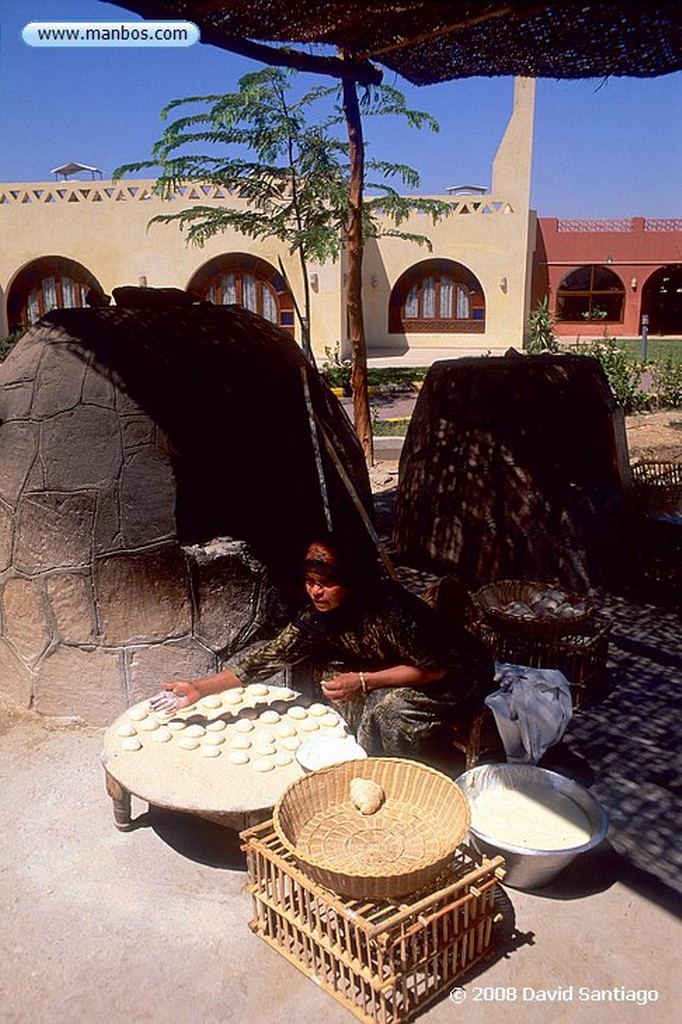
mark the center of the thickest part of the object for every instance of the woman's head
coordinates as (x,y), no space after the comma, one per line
(326,582)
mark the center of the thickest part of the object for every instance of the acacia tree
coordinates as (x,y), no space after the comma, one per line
(292,172)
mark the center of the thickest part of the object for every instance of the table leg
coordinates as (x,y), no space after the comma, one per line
(121,800)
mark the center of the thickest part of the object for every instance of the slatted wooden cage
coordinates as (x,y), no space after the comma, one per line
(383,960)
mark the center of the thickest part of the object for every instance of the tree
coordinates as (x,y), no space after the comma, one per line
(293,174)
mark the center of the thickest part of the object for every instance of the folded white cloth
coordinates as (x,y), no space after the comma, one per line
(532,708)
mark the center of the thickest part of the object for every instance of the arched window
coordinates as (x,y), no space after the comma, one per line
(245,280)
(591,293)
(51,282)
(439,297)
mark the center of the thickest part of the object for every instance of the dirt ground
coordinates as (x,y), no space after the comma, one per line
(655,435)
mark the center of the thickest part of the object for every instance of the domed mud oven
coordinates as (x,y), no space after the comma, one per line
(157,483)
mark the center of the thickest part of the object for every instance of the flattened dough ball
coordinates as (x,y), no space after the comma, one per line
(126,729)
(263,764)
(269,717)
(131,743)
(188,743)
(212,701)
(297,712)
(209,751)
(137,714)
(162,735)
(257,690)
(238,757)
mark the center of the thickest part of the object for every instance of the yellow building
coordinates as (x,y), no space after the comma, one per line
(469,295)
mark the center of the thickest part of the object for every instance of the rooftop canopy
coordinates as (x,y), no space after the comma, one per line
(66,170)
(431,41)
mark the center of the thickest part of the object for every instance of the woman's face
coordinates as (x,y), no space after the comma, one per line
(324,594)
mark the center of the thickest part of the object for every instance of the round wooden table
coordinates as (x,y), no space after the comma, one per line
(164,772)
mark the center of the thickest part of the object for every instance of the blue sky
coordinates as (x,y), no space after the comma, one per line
(610,149)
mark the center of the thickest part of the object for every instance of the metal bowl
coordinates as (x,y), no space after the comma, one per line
(526,867)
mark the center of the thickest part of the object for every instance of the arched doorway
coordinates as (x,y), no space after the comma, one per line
(50,282)
(662,300)
(241,279)
(590,293)
(437,297)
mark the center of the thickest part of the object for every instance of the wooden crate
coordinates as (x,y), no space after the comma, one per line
(383,961)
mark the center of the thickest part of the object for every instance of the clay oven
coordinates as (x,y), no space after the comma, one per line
(157,482)
(514,467)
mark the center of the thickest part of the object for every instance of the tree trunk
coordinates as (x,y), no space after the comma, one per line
(356,326)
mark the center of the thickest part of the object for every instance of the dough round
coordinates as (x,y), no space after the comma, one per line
(188,743)
(269,717)
(329,720)
(265,736)
(131,743)
(162,735)
(233,696)
(297,712)
(318,710)
(263,764)
(290,743)
(309,725)
(281,758)
(264,749)
(137,714)
(244,725)
(149,724)
(195,731)
(257,690)
(218,725)
(238,757)
(212,701)
(176,725)
(214,739)
(126,729)
(281,693)
(286,729)
(240,743)
(210,752)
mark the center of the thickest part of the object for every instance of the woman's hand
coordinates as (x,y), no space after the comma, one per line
(342,687)
(175,696)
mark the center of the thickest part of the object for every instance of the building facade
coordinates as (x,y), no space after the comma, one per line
(490,261)
(610,275)
(470,293)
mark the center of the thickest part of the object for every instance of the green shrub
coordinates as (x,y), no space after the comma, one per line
(623,373)
(7,343)
(541,337)
(666,375)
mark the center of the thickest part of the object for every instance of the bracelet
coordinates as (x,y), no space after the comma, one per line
(363,682)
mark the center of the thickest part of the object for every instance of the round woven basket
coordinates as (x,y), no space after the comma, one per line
(491,599)
(397,850)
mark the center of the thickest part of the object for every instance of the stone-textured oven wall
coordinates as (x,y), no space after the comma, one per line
(98,601)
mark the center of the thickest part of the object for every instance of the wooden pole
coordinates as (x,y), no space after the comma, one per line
(356,326)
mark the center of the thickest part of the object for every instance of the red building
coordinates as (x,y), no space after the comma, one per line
(608,274)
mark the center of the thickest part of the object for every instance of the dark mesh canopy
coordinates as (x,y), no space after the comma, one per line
(435,42)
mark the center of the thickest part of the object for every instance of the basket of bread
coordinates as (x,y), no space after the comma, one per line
(529,608)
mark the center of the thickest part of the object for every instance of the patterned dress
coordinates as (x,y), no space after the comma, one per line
(382,628)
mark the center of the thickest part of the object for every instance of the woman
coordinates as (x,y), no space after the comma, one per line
(396,672)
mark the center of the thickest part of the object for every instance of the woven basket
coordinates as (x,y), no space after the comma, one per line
(657,483)
(398,850)
(491,599)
